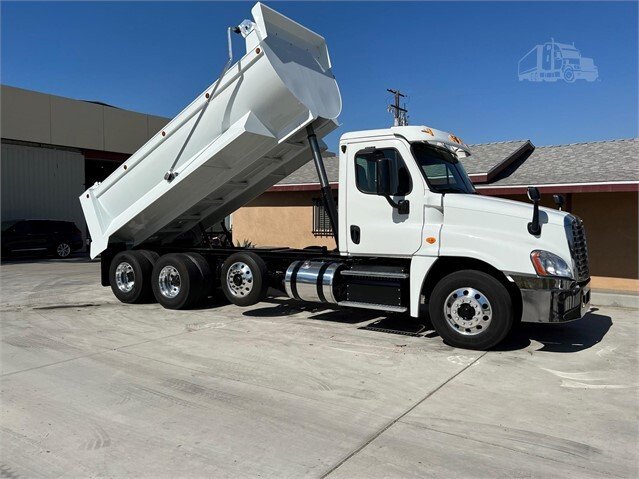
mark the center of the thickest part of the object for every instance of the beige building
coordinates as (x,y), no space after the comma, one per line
(600,181)
(53,148)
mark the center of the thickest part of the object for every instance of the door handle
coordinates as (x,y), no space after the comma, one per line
(355,234)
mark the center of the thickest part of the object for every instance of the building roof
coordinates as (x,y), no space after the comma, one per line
(514,165)
(307,174)
(35,117)
(601,161)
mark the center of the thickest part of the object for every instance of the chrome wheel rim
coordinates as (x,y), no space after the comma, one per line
(239,279)
(63,250)
(468,311)
(124,277)
(169,282)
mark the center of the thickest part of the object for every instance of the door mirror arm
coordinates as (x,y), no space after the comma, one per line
(402,206)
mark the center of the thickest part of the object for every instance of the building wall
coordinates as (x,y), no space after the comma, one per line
(611,225)
(53,120)
(611,219)
(279,219)
(42,183)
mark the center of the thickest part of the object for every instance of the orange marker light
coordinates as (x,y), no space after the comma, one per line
(455,139)
(431,240)
(428,131)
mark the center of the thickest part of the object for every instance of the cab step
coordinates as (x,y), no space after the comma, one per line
(380,307)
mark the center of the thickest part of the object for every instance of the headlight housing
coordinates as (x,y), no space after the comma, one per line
(549,264)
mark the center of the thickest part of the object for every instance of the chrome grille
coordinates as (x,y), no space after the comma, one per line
(579,249)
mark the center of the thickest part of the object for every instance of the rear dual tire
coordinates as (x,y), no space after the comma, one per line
(244,279)
(130,276)
(181,280)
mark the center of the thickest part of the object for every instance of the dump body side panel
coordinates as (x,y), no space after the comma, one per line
(234,141)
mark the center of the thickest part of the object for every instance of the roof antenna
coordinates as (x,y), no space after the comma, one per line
(400,115)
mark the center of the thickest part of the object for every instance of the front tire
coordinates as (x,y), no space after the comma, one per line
(471,309)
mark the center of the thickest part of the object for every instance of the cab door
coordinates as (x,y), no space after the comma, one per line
(374,226)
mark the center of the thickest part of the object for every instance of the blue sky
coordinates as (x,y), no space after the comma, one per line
(456,61)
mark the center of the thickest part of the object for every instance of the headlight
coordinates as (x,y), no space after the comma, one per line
(549,264)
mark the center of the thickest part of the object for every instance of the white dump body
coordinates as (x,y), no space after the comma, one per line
(227,149)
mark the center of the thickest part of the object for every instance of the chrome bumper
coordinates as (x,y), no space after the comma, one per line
(549,300)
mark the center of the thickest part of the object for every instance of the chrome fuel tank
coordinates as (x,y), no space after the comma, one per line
(312,280)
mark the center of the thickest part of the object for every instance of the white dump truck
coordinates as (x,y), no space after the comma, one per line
(412,234)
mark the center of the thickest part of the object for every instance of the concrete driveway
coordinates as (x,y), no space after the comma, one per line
(94,388)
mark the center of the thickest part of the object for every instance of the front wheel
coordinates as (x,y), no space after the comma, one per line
(471,309)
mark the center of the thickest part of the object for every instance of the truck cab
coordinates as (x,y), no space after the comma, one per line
(405,195)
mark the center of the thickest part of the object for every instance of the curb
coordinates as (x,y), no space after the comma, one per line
(618,300)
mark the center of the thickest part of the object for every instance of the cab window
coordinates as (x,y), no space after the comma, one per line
(366,171)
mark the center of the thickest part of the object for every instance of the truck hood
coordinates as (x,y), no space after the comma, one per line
(503,207)
(495,231)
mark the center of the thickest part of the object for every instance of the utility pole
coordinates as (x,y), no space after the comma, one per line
(400,114)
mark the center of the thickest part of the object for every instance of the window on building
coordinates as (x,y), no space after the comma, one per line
(321,221)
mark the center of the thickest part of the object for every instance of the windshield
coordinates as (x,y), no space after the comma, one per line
(442,170)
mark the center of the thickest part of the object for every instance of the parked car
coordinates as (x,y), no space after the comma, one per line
(58,238)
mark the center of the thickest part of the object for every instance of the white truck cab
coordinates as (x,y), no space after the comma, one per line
(427,210)
(412,234)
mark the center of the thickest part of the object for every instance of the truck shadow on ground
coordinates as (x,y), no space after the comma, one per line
(557,338)
(560,338)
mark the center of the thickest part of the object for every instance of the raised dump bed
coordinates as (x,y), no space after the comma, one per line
(243,134)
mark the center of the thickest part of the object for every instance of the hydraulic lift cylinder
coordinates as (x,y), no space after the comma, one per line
(327,194)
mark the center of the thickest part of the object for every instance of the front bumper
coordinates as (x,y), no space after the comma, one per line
(552,300)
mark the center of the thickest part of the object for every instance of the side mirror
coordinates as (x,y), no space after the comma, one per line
(383,177)
(534,227)
(533,194)
(383,186)
(560,200)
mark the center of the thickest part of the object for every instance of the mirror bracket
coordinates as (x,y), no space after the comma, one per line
(402,206)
